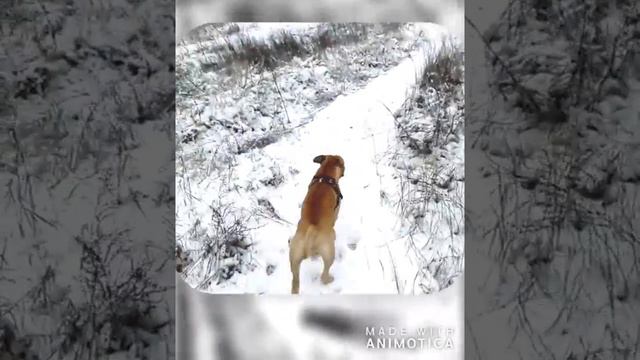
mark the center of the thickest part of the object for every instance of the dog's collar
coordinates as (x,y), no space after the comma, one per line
(331,181)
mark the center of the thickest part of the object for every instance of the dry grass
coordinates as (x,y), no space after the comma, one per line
(431,120)
(565,219)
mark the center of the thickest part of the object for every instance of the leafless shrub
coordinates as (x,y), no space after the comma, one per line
(52,142)
(434,114)
(122,300)
(120,307)
(432,119)
(189,81)
(280,47)
(543,91)
(276,179)
(219,249)
(562,222)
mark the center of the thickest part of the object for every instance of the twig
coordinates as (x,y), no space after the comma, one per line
(284,105)
(395,273)
(521,89)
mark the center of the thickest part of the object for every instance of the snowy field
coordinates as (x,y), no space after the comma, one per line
(555,149)
(86,153)
(246,136)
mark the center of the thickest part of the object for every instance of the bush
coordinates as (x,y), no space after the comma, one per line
(217,250)
(434,114)
(279,47)
(430,192)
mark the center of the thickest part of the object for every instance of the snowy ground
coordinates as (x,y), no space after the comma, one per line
(554,233)
(85,159)
(263,186)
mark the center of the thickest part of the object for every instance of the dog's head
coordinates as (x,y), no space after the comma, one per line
(331,161)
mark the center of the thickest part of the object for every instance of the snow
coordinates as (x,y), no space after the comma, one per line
(372,246)
(558,280)
(257,32)
(358,128)
(85,179)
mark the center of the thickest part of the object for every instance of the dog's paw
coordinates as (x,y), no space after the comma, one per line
(326,279)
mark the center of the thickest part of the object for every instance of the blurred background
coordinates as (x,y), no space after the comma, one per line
(193,13)
(238,327)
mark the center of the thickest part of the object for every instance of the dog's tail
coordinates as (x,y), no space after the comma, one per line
(311,248)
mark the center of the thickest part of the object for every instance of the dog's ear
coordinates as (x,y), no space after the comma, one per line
(319,159)
(341,164)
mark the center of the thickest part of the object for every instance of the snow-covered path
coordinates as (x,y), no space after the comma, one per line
(370,255)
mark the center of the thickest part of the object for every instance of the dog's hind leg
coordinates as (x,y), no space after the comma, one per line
(296,255)
(328,252)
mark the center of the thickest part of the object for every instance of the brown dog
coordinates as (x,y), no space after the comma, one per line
(315,235)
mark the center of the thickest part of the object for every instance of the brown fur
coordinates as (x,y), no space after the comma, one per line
(315,235)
